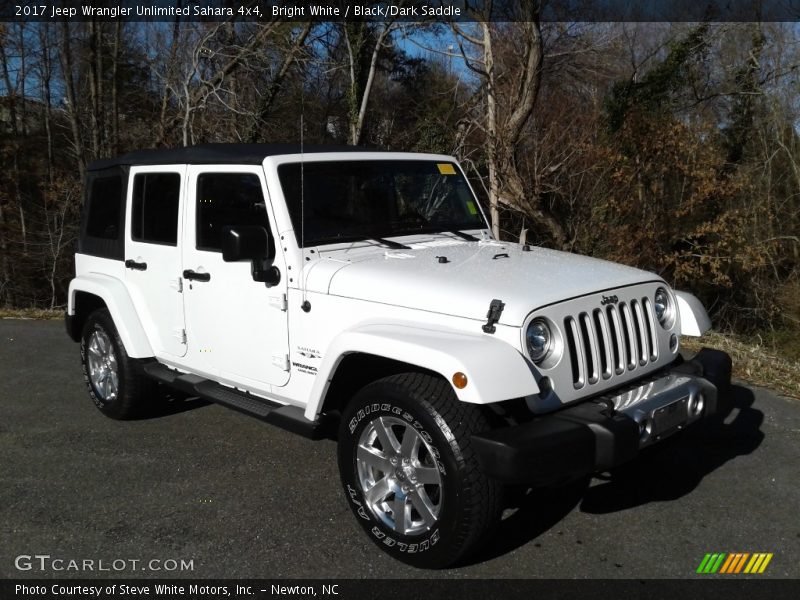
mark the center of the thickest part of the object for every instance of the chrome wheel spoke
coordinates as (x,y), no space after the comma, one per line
(379,491)
(113,382)
(374,458)
(411,442)
(401,513)
(386,436)
(424,506)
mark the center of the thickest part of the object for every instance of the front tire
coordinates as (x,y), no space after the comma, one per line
(116,383)
(409,472)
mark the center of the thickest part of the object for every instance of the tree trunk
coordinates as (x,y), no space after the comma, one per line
(491,131)
(114,144)
(95,87)
(47,72)
(15,117)
(268,99)
(504,129)
(72,107)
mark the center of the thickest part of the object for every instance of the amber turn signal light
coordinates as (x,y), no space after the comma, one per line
(459,380)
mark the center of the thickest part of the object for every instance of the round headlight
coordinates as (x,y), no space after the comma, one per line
(539,339)
(663,306)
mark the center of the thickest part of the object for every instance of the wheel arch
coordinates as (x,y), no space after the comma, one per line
(495,370)
(91,292)
(358,369)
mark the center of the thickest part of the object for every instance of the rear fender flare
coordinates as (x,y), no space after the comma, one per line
(115,296)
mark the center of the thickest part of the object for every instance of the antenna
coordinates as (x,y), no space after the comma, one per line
(306,305)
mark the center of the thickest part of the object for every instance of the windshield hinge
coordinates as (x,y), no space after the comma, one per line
(281,361)
(278,302)
(493,316)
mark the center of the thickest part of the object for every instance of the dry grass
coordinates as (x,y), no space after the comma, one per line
(31,313)
(753,362)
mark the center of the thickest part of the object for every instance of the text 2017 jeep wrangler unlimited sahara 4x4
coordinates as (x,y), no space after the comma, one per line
(363,289)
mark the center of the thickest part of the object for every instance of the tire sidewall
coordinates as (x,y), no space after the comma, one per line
(101,320)
(437,546)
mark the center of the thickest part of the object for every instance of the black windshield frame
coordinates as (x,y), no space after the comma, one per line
(350,200)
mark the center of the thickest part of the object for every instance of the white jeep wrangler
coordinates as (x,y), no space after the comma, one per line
(359,295)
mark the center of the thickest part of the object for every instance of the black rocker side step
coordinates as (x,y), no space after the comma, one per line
(287,417)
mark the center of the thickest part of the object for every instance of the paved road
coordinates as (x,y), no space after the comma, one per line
(242,499)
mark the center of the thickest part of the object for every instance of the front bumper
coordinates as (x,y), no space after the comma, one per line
(605,432)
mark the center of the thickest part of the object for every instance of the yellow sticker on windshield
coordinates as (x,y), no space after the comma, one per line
(473,210)
(446,169)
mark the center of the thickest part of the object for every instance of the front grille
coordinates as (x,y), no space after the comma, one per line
(611,341)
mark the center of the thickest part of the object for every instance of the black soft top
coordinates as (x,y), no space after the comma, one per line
(206,154)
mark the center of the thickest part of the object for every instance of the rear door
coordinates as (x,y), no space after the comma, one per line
(237,327)
(152,256)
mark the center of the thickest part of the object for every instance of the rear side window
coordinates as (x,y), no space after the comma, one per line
(105,208)
(227,199)
(154,214)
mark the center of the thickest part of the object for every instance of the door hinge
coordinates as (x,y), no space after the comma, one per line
(278,302)
(180,335)
(281,361)
(177,284)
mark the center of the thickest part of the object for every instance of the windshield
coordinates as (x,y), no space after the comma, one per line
(353,200)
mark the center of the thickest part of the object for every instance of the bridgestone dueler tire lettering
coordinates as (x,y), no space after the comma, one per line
(471,501)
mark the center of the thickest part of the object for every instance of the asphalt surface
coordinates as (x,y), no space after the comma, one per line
(241,499)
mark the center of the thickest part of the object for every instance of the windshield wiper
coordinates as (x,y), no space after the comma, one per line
(464,236)
(392,244)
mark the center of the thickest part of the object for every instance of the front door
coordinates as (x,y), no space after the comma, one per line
(237,328)
(152,257)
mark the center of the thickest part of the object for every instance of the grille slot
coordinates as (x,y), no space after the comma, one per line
(608,342)
(650,323)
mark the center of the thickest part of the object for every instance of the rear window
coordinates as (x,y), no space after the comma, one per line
(154,214)
(105,208)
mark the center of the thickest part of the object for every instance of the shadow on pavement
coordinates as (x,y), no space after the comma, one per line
(667,471)
(172,402)
(675,467)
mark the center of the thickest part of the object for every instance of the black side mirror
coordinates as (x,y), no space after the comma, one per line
(244,242)
(251,242)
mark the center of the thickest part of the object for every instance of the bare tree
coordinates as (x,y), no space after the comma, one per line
(72,109)
(509,101)
(360,37)
(266,101)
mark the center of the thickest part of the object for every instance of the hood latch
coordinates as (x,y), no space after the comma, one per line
(493,316)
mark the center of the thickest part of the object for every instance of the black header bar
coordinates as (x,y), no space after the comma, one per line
(264,11)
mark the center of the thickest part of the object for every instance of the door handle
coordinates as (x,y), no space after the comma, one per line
(136,266)
(195,276)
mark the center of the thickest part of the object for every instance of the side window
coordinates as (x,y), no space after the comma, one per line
(154,214)
(225,199)
(105,208)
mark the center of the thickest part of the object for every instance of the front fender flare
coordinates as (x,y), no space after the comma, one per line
(113,292)
(495,370)
(693,315)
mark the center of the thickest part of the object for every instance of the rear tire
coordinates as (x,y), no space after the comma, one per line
(409,472)
(116,383)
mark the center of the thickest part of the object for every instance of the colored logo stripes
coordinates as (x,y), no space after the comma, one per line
(736,562)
